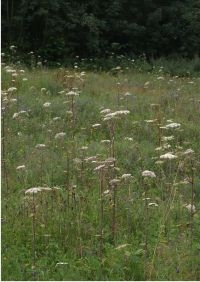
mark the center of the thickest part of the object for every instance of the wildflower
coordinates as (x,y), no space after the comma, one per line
(159,162)
(12,89)
(110,160)
(84,148)
(148,173)
(127,94)
(35,190)
(60,135)
(9,70)
(168,156)
(72,93)
(12,47)
(126,176)
(96,125)
(61,263)
(105,111)
(128,138)
(114,181)
(13,100)
(21,167)
(46,105)
(25,79)
(56,118)
(77,161)
(153,204)
(146,83)
(61,92)
(106,192)
(185,181)
(115,114)
(173,125)
(151,120)
(105,141)
(167,138)
(160,78)
(166,146)
(121,246)
(40,146)
(190,208)
(99,167)
(15,115)
(155,105)
(146,199)
(90,159)
(43,90)
(22,112)
(188,151)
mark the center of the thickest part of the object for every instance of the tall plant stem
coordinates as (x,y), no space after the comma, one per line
(113,227)
(192,206)
(33,237)
(101,213)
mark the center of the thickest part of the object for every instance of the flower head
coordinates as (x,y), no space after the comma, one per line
(148,173)
(173,125)
(190,208)
(47,105)
(60,135)
(21,167)
(168,156)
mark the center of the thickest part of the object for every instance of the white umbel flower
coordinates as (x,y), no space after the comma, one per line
(72,93)
(21,167)
(168,156)
(60,135)
(47,105)
(35,190)
(190,208)
(148,173)
(126,176)
(12,89)
(173,125)
(188,152)
(40,146)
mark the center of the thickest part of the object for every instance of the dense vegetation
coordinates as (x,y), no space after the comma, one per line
(100,174)
(100,140)
(57,29)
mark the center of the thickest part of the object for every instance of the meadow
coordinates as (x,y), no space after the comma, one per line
(100,174)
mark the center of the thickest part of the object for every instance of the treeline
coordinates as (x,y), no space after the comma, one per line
(93,28)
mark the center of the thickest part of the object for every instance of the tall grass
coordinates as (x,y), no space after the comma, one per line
(113,163)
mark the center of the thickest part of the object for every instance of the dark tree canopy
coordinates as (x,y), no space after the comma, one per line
(60,28)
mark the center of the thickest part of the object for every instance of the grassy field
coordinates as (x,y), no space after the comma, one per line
(113,161)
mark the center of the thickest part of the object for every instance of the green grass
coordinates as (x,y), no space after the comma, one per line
(116,235)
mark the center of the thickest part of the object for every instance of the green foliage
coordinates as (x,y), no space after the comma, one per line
(59,29)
